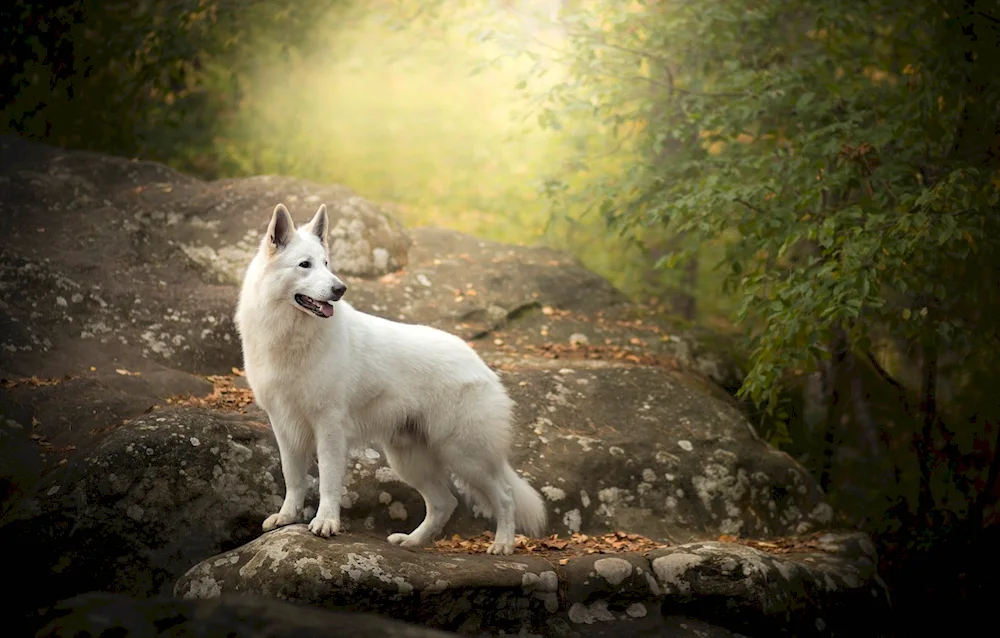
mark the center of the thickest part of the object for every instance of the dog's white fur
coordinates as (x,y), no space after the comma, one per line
(328,383)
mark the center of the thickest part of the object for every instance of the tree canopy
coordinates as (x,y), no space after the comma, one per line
(153,79)
(846,153)
(848,150)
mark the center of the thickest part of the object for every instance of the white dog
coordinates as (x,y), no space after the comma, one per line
(330,377)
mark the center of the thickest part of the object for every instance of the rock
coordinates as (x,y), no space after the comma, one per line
(622,579)
(528,295)
(681,466)
(462,592)
(104,614)
(115,261)
(836,591)
(151,499)
(468,286)
(178,485)
(20,466)
(815,592)
(71,415)
(364,240)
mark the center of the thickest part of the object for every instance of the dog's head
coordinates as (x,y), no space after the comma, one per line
(297,267)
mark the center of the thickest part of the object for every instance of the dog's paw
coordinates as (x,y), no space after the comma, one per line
(325,527)
(277,520)
(500,548)
(405,540)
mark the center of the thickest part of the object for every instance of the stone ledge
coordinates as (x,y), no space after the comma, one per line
(817,592)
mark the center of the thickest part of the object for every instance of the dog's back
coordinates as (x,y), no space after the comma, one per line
(404,375)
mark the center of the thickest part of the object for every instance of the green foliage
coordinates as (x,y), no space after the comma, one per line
(846,150)
(153,78)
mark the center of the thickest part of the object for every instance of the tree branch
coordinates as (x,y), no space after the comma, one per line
(750,206)
(992,476)
(656,58)
(888,378)
(928,405)
(988,17)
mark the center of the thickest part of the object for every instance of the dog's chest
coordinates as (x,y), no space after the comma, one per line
(293,387)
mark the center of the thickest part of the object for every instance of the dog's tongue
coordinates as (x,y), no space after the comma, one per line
(327,309)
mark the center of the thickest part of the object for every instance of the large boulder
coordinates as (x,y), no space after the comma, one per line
(20,467)
(150,498)
(618,446)
(518,300)
(112,261)
(819,590)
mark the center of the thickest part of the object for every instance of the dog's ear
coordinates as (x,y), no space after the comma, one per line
(319,224)
(280,230)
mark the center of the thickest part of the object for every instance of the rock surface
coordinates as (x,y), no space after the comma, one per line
(181,484)
(151,498)
(20,465)
(803,593)
(118,282)
(110,259)
(797,594)
(626,447)
(103,614)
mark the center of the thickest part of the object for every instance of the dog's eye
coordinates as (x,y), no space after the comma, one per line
(305,264)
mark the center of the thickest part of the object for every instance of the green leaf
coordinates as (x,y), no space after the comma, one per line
(804,100)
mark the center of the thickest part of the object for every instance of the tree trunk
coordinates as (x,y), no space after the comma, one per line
(687,303)
(681,297)
(987,496)
(924,444)
(838,350)
(862,409)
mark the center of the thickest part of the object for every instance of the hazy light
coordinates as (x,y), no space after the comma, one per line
(396,114)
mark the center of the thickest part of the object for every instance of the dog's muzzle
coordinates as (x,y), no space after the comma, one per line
(322,309)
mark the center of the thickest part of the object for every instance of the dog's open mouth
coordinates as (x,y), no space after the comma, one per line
(318,308)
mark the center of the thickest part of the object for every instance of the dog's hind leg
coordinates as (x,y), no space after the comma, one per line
(494,486)
(477,465)
(488,482)
(295,448)
(416,466)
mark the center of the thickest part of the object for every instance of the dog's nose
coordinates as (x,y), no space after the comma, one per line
(338,291)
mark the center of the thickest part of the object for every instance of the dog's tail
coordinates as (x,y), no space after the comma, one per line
(530,514)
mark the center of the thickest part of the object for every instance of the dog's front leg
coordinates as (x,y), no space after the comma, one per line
(294,448)
(331,452)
